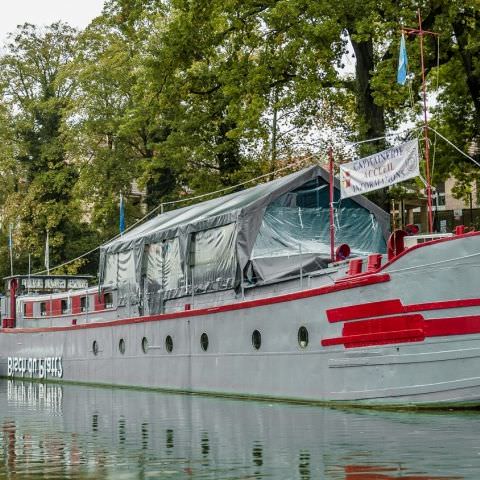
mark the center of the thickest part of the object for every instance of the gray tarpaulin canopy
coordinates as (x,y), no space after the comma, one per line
(267,230)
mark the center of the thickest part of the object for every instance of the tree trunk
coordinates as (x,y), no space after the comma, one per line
(371,114)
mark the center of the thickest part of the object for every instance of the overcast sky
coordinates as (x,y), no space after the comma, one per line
(77,13)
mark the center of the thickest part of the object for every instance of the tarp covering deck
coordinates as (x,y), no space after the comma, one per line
(261,233)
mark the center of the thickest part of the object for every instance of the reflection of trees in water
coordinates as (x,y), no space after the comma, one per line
(304,465)
(150,435)
(205,448)
(144,436)
(95,423)
(169,440)
(257,455)
(121,431)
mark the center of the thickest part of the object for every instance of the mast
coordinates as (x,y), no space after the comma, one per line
(332,226)
(421,33)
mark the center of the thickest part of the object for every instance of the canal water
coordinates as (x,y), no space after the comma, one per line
(77,432)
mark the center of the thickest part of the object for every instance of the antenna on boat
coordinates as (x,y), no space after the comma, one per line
(421,33)
(10,247)
(332,226)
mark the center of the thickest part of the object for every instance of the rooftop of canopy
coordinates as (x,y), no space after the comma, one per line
(246,205)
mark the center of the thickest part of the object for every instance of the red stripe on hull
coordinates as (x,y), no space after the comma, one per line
(443,305)
(401,329)
(380,331)
(393,307)
(442,327)
(365,310)
(380,338)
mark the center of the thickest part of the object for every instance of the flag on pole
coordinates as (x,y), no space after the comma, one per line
(47,255)
(402,62)
(122,215)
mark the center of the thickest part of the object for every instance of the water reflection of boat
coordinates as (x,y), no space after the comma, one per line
(108,431)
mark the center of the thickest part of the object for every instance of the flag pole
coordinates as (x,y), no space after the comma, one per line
(332,226)
(421,33)
(425,129)
(47,253)
(10,247)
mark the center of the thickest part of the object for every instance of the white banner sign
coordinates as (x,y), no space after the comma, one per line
(380,170)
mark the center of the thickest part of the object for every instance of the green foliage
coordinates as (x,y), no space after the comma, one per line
(164,99)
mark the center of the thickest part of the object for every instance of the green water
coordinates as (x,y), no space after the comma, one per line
(74,432)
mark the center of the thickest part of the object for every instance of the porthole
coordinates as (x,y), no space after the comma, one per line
(169,344)
(95,347)
(121,346)
(302,337)
(144,345)
(204,342)
(256,339)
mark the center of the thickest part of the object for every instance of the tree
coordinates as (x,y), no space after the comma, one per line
(37,93)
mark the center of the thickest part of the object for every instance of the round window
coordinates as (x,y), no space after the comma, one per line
(95,347)
(121,346)
(204,342)
(144,345)
(302,337)
(169,344)
(256,339)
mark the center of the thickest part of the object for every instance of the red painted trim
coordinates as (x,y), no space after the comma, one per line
(56,307)
(391,330)
(380,338)
(365,310)
(443,327)
(385,324)
(393,307)
(288,297)
(76,305)
(28,309)
(443,305)
(380,331)
(99,302)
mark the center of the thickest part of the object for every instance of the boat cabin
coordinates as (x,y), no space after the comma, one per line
(258,242)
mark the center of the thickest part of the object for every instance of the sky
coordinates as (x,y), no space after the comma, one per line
(77,13)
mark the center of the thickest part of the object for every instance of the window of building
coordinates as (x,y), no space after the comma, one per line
(441,200)
(83,304)
(302,337)
(256,339)
(204,342)
(169,344)
(43,309)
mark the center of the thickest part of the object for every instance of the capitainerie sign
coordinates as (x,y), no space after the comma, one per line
(380,170)
(35,367)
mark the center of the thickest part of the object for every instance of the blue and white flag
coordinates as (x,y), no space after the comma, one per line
(402,62)
(122,215)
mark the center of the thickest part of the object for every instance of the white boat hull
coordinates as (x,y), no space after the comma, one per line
(408,334)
